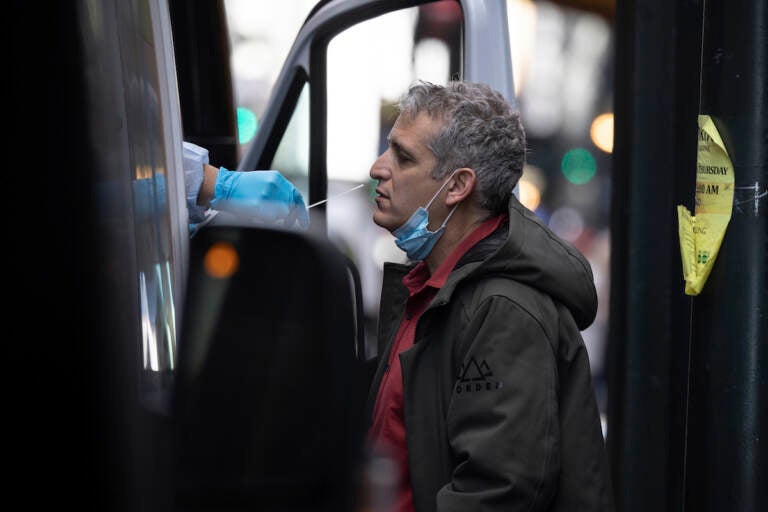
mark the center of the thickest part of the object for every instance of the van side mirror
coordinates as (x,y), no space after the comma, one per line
(269,387)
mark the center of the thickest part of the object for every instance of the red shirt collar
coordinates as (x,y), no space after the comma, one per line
(418,278)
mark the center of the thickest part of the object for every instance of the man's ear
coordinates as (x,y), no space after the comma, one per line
(461,187)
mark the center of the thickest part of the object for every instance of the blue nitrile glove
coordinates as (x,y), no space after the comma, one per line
(264,196)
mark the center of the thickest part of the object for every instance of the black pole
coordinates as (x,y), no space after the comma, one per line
(726,462)
(656,104)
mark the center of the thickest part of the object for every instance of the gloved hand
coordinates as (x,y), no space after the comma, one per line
(265,196)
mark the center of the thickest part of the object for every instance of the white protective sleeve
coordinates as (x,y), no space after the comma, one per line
(194,159)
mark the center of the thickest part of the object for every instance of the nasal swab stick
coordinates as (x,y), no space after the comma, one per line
(334,197)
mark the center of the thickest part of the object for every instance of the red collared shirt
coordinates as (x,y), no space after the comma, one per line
(387,432)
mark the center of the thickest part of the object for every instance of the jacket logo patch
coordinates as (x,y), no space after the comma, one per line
(474,377)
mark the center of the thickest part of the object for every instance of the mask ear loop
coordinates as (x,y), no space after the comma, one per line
(440,190)
(449,214)
(436,193)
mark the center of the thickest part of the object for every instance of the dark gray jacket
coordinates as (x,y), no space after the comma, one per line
(499,407)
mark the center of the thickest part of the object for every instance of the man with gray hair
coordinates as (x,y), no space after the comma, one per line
(483,395)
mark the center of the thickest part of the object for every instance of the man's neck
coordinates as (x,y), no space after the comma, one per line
(457,229)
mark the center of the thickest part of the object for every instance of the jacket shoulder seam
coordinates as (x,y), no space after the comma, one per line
(485,294)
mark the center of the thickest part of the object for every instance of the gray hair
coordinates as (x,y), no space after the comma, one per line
(480,131)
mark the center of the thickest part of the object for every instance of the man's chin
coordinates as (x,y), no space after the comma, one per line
(378,218)
(383,221)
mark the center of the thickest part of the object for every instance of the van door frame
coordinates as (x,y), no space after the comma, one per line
(486,58)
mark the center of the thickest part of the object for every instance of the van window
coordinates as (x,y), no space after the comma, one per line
(292,155)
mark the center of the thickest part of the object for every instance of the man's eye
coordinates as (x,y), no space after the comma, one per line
(404,158)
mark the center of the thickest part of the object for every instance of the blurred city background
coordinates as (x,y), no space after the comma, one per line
(562,55)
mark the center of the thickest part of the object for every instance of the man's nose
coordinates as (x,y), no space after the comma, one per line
(380,169)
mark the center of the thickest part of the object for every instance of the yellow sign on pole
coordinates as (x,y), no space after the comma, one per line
(701,234)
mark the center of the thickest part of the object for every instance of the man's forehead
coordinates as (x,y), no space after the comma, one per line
(410,130)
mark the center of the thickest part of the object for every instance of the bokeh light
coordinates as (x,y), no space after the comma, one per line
(221,260)
(601,132)
(567,223)
(578,166)
(247,124)
(530,195)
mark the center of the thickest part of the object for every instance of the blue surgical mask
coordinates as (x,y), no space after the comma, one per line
(414,237)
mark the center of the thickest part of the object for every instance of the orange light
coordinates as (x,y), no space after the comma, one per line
(601,132)
(530,195)
(221,260)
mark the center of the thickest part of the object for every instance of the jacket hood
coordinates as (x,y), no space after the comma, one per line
(530,253)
